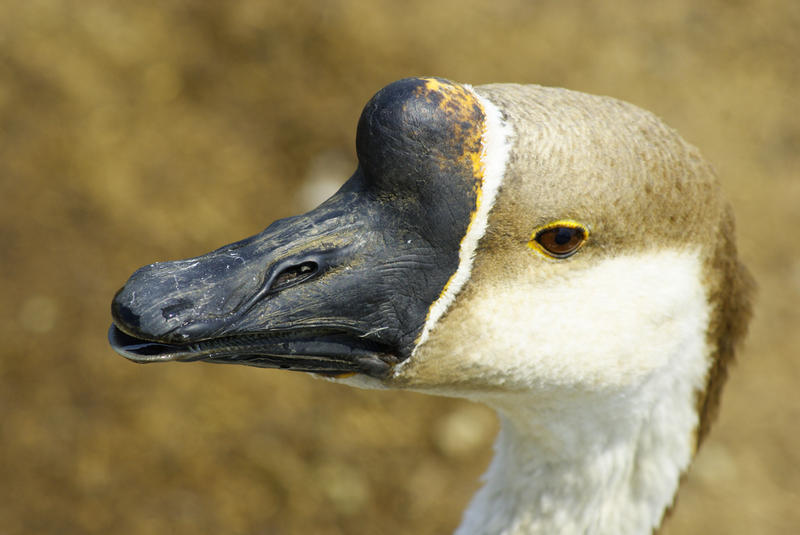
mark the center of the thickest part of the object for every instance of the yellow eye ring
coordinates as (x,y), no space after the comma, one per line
(559,239)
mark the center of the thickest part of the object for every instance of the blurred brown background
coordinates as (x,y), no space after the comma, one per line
(132,132)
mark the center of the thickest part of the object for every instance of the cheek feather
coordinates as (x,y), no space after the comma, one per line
(607,326)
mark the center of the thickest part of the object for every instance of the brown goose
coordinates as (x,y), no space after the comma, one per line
(566,259)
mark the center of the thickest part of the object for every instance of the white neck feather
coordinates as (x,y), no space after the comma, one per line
(606,458)
(608,476)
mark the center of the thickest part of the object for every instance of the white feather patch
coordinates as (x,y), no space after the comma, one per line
(601,371)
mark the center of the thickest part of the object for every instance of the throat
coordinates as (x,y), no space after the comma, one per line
(554,472)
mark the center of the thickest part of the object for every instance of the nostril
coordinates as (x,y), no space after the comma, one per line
(174,310)
(293,275)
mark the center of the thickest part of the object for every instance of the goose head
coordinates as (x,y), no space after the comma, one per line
(565,258)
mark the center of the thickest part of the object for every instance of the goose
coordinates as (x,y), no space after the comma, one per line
(566,259)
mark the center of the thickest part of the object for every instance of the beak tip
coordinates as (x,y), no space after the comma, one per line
(137,350)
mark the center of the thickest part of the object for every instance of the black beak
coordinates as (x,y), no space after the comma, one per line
(304,295)
(345,288)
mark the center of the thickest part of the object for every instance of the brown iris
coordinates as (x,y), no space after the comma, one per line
(560,239)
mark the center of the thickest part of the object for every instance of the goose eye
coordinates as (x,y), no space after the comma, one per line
(559,240)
